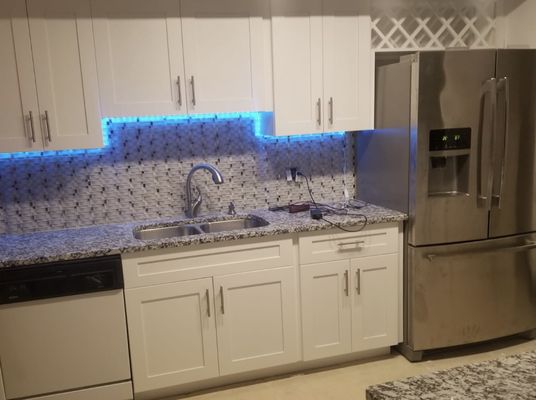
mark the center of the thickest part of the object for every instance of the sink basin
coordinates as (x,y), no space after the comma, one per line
(163,232)
(233,224)
(181,230)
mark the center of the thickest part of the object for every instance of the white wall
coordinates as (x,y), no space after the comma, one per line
(519,23)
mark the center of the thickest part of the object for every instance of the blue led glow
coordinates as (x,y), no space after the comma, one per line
(256,117)
(301,137)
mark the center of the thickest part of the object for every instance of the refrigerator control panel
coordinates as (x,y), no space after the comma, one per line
(450,139)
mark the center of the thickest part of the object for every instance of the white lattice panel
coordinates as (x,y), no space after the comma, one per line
(432,24)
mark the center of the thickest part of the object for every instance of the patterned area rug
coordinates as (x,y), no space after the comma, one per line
(509,378)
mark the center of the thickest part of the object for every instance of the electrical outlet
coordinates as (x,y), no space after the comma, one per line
(288,174)
(292,174)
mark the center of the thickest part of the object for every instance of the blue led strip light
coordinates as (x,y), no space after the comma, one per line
(254,116)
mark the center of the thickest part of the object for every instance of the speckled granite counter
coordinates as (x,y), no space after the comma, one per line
(70,244)
(510,378)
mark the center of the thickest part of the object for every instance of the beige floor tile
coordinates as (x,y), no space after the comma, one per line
(348,382)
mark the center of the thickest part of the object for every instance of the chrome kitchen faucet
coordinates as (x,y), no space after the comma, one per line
(192,205)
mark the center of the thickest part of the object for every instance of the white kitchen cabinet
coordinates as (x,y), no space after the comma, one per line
(172,334)
(51,96)
(65,73)
(375,299)
(18,98)
(223,55)
(140,57)
(297,66)
(348,76)
(321,66)
(326,310)
(350,293)
(250,289)
(257,319)
(172,57)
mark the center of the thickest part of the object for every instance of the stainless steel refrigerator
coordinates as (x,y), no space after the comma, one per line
(454,147)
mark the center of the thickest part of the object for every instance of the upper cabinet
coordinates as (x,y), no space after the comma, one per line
(322,62)
(49,99)
(223,55)
(139,57)
(171,57)
(18,99)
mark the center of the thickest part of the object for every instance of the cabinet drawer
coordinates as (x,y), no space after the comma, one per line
(338,245)
(175,264)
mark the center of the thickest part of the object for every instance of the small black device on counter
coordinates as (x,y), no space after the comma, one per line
(59,279)
(316,213)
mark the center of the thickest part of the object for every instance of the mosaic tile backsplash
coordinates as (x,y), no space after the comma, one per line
(141,174)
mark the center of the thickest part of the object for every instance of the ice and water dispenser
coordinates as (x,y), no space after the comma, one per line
(449,154)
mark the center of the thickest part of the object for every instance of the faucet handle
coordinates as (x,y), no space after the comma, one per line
(198,193)
(196,203)
(232,209)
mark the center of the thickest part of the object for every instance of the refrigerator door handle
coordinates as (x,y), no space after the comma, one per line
(503,84)
(530,245)
(484,184)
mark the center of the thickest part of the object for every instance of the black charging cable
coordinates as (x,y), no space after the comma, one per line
(365,222)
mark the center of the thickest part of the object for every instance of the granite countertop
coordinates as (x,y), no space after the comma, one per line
(510,378)
(100,240)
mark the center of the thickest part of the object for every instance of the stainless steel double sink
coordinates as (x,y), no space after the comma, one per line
(181,230)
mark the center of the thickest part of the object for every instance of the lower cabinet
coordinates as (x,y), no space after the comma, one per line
(172,334)
(349,305)
(222,309)
(199,329)
(326,309)
(374,302)
(257,320)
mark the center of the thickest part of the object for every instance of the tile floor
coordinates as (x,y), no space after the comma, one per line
(348,382)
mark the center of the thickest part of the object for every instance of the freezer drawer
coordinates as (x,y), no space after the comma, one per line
(466,293)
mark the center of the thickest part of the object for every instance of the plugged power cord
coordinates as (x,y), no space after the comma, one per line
(320,209)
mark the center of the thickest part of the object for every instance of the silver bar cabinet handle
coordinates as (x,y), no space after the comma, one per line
(192,81)
(331,110)
(32,128)
(355,245)
(222,301)
(208,302)
(347,283)
(319,106)
(358,280)
(49,135)
(504,84)
(180,91)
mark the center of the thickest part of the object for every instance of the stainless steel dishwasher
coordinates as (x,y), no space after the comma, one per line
(63,331)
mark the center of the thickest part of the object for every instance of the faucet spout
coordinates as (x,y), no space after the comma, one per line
(192,205)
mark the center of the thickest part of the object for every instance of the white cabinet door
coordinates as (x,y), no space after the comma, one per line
(375,302)
(256,319)
(65,73)
(297,66)
(18,97)
(172,334)
(347,66)
(326,309)
(139,57)
(223,53)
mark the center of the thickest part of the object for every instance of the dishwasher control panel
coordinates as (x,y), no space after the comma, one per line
(66,278)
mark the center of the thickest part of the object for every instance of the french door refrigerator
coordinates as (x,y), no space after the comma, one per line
(455,148)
